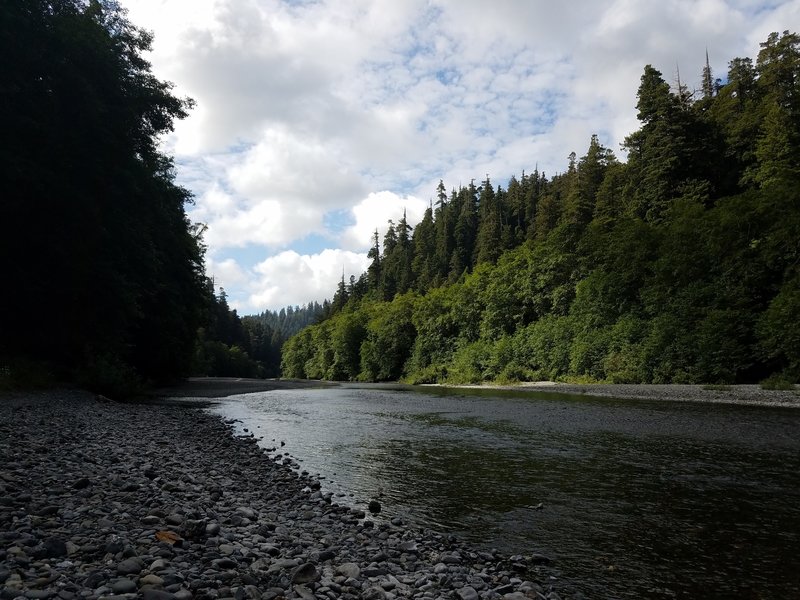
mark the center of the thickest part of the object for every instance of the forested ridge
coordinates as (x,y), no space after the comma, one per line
(103,272)
(105,275)
(681,264)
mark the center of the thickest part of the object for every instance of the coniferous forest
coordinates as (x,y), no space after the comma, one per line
(103,272)
(104,275)
(680,265)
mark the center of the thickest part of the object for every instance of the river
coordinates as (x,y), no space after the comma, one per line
(631,499)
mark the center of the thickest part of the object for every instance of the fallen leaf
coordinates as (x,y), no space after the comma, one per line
(169,537)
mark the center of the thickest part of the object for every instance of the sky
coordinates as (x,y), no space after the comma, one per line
(317,121)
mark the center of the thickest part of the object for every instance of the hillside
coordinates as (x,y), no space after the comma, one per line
(680,265)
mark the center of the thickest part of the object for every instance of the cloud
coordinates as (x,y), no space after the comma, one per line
(289,278)
(227,273)
(374,211)
(312,109)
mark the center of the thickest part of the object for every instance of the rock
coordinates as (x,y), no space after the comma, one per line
(226,549)
(151,594)
(451,559)
(374,506)
(468,593)
(373,593)
(123,586)
(351,570)
(194,529)
(325,556)
(373,572)
(95,579)
(247,513)
(81,483)
(40,594)
(305,573)
(130,566)
(408,547)
(158,565)
(55,547)
(151,579)
(304,593)
(212,529)
(225,563)
(173,519)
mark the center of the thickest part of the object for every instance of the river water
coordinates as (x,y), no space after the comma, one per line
(631,499)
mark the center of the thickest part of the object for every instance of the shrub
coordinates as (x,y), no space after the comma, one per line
(777,381)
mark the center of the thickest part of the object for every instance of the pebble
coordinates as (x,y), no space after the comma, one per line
(468,593)
(305,573)
(351,570)
(130,566)
(79,519)
(123,586)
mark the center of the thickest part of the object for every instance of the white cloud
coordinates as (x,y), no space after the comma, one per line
(295,171)
(289,278)
(227,273)
(374,212)
(361,106)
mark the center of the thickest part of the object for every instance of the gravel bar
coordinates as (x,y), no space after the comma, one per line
(161,501)
(753,395)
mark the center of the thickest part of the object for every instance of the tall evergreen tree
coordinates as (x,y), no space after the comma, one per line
(488,241)
(423,243)
(94,234)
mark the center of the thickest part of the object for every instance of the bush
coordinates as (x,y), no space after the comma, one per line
(777,381)
(429,374)
(22,373)
(109,375)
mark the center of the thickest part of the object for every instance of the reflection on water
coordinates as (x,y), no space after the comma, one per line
(632,499)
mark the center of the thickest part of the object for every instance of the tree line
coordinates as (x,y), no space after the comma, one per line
(104,274)
(681,264)
(232,346)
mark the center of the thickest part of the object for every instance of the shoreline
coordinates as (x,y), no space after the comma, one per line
(743,394)
(162,501)
(210,388)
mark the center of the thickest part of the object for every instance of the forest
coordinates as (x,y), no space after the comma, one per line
(679,265)
(104,274)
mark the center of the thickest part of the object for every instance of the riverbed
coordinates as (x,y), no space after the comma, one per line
(630,498)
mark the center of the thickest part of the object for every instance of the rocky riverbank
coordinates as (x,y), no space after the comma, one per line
(161,501)
(753,395)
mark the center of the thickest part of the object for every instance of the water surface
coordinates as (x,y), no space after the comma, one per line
(632,499)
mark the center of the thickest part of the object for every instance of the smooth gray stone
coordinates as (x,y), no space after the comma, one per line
(151,594)
(305,573)
(304,592)
(130,566)
(123,586)
(351,570)
(468,593)
(373,593)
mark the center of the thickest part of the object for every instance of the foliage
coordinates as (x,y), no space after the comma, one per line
(107,273)
(680,266)
(778,381)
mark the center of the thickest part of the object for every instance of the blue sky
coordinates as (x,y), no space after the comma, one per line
(316,122)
